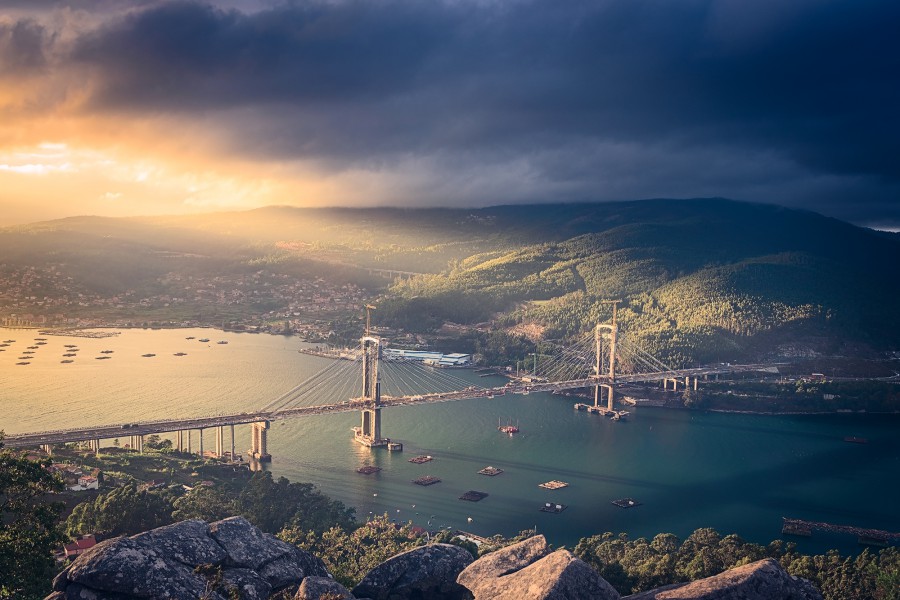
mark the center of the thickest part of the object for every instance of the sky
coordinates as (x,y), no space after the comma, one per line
(148,107)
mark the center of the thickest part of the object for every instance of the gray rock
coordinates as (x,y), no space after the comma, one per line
(57,595)
(504,561)
(762,580)
(248,584)
(292,566)
(126,566)
(557,576)
(425,572)
(187,542)
(244,544)
(313,588)
(79,592)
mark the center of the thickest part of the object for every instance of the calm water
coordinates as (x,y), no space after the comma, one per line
(737,473)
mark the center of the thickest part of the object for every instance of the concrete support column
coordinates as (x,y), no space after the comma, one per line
(96,446)
(200,432)
(189,441)
(695,384)
(179,440)
(220,435)
(259,446)
(687,382)
(140,443)
(233,457)
(609,400)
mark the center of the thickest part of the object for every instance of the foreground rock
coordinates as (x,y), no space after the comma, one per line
(529,571)
(425,572)
(762,580)
(313,588)
(233,556)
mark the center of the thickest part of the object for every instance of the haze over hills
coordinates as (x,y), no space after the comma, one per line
(700,280)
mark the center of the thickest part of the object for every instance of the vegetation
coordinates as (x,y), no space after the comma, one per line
(29,526)
(637,565)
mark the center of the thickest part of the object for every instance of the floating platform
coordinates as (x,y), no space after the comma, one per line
(626,503)
(552,507)
(394,446)
(554,485)
(421,459)
(368,470)
(490,471)
(474,496)
(426,480)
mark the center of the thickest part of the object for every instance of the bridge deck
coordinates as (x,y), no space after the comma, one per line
(61,436)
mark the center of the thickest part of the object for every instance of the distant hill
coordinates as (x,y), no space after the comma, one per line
(700,280)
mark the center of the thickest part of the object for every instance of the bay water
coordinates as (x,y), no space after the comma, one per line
(737,473)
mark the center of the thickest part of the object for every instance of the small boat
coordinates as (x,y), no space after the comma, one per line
(8,341)
(28,352)
(107,351)
(190,337)
(181,354)
(4,345)
(32,347)
(41,344)
(856,440)
(147,355)
(69,346)
(67,361)
(70,354)
(104,357)
(40,339)
(23,363)
(222,342)
(204,340)
(509,428)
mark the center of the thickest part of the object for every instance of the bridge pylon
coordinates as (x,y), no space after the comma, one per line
(259,443)
(613,329)
(369,432)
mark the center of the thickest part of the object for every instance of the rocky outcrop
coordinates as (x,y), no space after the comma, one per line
(233,556)
(762,580)
(233,559)
(528,570)
(425,572)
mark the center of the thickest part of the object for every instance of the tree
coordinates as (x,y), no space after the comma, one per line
(123,511)
(206,503)
(274,504)
(29,529)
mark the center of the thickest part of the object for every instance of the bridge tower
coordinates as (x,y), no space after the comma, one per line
(259,443)
(369,433)
(598,351)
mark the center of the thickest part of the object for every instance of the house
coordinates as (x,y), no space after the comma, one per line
(80,545)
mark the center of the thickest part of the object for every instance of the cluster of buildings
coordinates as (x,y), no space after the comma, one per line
(267,301)
(75,478)
(436,359)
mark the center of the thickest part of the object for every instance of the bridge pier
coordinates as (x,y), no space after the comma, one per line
(179,441)
(233,457)
(200,432)
(369,432)
(259,446)
(48,449)
(220,435)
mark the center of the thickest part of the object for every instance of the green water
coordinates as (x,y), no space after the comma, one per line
(737,473)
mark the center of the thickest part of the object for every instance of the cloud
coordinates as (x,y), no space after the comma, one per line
(473,102)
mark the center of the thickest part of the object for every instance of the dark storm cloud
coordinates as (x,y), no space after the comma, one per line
(601,99)
(22,46)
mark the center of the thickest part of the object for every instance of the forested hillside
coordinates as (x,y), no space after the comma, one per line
(699,280)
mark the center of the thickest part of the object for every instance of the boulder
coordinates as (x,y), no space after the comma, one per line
(313,588)
(245,545)
(187,542)
(424,572)
(291,567)
(504,561)
(762,580)
(79,592)
(556,576)
(126,566)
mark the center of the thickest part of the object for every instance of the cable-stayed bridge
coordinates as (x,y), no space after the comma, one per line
(364,381)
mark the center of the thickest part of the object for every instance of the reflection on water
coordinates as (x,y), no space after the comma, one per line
(737,473)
